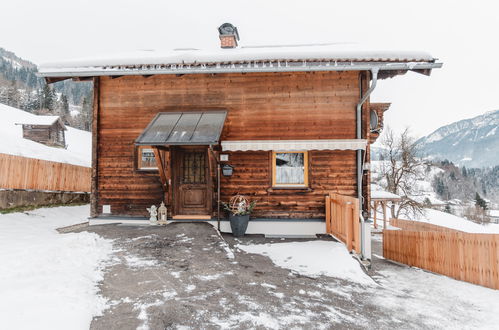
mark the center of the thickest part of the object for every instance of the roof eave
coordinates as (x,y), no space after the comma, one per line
(394,68)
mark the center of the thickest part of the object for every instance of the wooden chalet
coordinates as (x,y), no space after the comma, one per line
(284,126)
(48,130)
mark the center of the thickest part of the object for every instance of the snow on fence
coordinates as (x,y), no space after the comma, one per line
(18,172)
(464,256)
(342,220)
(419,226)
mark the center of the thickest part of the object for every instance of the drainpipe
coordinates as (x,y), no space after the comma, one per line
(374,74)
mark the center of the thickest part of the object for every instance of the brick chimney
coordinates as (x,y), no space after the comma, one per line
(228,35)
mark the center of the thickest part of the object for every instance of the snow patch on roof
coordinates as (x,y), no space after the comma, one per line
(39,120)
(186,56)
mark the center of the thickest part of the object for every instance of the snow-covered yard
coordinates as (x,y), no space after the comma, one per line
(444,219)
(188,275)
(49,280)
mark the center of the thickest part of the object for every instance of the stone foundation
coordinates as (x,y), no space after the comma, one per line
(10,198)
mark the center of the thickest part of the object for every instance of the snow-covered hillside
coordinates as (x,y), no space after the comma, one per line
(79,142)
(471,142)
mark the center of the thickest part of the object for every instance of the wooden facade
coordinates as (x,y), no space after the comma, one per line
(260,106)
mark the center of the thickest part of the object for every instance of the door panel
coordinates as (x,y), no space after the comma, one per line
(192,182)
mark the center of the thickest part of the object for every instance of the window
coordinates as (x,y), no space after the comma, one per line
(145,159)
(290,169)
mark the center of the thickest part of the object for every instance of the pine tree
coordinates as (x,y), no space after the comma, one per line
(480,202)
(13,95)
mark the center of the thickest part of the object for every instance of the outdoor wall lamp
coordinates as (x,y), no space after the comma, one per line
(227,170)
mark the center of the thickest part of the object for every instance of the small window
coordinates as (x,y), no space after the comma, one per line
(145,159)
(290,169)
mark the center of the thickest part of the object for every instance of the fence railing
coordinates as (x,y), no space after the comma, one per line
(464,256)
(342,220)
(18,172)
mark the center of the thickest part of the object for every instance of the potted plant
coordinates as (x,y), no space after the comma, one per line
(239,209)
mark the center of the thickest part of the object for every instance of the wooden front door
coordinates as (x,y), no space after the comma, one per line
(192,189)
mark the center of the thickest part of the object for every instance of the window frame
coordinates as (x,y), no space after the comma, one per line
(303,185)
(138,160)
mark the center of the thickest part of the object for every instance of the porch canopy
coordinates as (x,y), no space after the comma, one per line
(294,145)
(183,128)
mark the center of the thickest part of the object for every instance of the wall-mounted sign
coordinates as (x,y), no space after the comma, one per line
(224,157)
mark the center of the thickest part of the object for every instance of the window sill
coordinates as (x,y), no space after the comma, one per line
(300,189)
(146,170)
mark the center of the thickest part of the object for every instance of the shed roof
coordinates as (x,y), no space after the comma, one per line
(325,57)
(42,121)
(183,128)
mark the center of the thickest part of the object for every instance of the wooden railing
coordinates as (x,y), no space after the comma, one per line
(464,256)
(18,172)
(342,220)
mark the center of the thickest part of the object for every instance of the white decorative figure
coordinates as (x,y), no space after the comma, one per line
(162,213)
(153,213)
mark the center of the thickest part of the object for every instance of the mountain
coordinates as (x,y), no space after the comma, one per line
(470,142)
(21,88)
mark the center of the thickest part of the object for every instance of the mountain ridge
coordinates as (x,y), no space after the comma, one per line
(472,142)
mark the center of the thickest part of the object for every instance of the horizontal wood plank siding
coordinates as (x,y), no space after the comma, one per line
(303,105)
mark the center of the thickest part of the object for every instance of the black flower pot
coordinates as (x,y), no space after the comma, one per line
(239,224)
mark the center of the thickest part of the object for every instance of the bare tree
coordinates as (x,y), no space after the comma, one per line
(400,169)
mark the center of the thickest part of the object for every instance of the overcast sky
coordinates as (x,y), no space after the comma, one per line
(462,34)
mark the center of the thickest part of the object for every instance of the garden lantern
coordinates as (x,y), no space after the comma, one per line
(162,213)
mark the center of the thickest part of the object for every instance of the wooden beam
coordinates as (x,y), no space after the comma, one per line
(94,196)
(328,214)
(50,80)
(384,214)
(192,217)
(161,169)
(375,215)
(83,78)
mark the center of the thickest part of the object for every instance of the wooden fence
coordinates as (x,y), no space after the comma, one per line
(464,256)
(342,220)
(18,172)
(419,226)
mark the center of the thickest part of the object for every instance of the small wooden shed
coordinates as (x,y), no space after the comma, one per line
(48,130)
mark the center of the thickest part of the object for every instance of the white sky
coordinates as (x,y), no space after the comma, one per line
(462,34)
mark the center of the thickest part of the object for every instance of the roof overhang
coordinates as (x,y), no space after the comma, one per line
(294,145)
(386,69)
(183,128)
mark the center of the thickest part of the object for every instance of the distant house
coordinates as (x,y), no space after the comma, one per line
(294,123)
(48,130)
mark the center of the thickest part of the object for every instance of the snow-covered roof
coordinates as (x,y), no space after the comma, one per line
(382,194)
(41,120)
(78,152)
(378,193)
(323,57)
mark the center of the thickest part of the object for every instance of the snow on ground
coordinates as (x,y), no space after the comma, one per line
(49,280)
(330,259)
(79,142)
(437,301)
(444,219)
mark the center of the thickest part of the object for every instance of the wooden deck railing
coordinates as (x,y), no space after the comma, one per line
(464,256)
(342,220)
(18,172)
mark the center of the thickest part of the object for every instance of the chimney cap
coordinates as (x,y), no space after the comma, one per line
(228,29)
